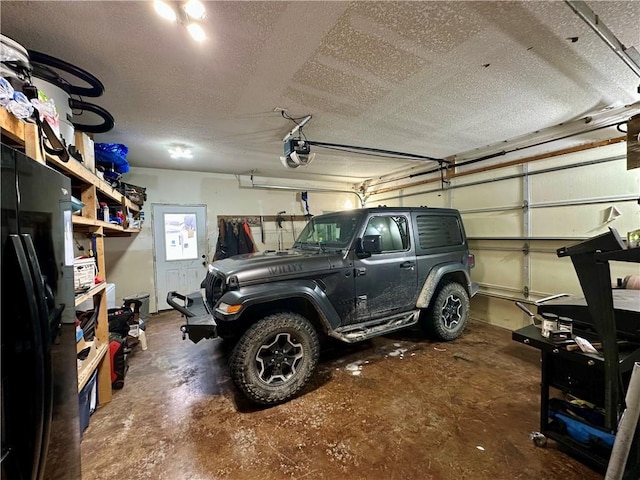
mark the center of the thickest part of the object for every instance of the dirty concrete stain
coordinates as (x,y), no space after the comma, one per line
(370,427)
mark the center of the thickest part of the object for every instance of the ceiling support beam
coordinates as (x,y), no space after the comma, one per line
(629,55)
(565,151)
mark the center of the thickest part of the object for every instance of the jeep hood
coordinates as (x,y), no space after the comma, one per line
(274,266)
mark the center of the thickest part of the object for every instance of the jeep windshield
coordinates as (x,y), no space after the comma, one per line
(333,231)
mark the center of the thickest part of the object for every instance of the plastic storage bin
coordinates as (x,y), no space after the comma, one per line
(88,401)
(84,272)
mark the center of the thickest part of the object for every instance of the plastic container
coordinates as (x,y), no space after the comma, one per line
(565,324)
(144,308)
(549,324)
(84,272)
(88,401)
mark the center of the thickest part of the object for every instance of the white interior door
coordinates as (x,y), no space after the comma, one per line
(180,249)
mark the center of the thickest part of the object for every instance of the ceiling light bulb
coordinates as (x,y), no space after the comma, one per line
(165,10)
(195,9)
(196,32)
(180,152)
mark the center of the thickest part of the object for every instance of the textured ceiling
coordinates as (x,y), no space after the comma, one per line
(430,78)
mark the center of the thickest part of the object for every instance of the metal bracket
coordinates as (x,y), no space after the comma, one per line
(628,55)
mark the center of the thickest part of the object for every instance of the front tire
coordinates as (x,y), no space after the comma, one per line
(274,359)
(449,312)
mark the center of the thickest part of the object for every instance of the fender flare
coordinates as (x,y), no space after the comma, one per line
(433,280)
(257,294)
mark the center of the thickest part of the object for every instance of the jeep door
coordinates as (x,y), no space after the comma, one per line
(386,282)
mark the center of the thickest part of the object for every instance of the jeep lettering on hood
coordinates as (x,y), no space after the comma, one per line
(271,266)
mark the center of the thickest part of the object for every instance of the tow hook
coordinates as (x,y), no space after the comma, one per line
(183,329)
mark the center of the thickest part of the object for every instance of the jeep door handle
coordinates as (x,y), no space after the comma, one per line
(360,272)
(410,265)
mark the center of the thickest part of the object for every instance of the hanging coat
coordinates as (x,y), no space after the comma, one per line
(245,242)
(221,247)
(231,239)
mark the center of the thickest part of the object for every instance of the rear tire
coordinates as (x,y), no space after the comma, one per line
(275,358)
(449,312)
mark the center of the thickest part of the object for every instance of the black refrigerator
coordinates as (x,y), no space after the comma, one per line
(39,389)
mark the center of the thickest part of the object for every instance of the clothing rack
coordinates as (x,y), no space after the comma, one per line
(257,220)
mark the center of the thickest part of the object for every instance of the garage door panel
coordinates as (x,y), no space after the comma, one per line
(493,224)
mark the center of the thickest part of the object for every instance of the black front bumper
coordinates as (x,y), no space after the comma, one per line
(200,322)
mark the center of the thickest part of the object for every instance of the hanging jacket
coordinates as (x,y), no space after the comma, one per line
(231,239)
(221,247)
(245,242)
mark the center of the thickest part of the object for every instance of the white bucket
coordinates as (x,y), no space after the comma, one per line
(61,101)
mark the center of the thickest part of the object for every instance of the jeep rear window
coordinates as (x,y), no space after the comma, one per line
(438,231)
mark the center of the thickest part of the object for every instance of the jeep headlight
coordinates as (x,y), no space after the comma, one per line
(226,309)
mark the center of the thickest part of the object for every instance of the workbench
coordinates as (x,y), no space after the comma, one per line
(577,374)
(601,379)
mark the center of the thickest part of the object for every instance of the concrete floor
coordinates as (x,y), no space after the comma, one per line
(396,407)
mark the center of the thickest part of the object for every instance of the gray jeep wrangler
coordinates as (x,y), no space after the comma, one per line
(350,275)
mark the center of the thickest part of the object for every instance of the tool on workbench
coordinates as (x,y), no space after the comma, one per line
(535,319)
(548,324)
(587,345)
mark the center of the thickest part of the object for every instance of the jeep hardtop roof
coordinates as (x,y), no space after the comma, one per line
(382,209)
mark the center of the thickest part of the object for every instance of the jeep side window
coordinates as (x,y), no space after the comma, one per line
(438,231)
(393,231)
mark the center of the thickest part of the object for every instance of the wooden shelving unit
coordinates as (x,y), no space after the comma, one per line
(91,293)
(91,190)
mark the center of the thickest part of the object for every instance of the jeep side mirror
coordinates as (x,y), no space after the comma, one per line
(360,253)
(372,244)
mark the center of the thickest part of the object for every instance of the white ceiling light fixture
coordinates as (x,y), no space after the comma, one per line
(188,14)
(180,152)
(195,9)
(165,10)
(197,32)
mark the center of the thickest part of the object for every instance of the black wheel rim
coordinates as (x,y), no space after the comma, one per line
(279,358)
(450,312)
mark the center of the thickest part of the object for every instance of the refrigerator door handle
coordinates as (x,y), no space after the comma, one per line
(43,319)
(26,277)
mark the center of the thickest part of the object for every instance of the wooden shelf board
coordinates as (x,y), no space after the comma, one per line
(109,228)
(89,365)
(93,291)
(78,170)
(11,126)
(124,233)
(15,129)
(90,222)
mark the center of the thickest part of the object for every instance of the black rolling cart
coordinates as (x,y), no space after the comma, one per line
(582,394)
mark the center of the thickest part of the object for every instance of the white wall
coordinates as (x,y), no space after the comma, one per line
(130,259)
(498,236)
